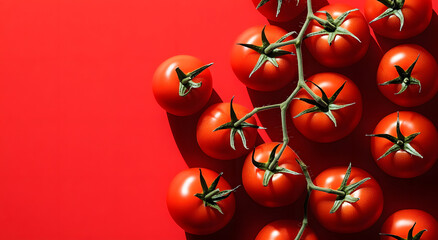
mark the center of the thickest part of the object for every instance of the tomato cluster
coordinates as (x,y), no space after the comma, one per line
(324,108)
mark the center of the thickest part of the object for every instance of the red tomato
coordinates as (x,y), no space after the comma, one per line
(416,15)
(344,50)
(189,211)
(425,70)
(166,84)
(283,188)
(317,126)
(216,144)
(350,217)
(400,222)
(288,9)
(268,77)
(284,230)
(401,163)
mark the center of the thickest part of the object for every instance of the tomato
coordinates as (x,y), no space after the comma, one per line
(267,77)
(280,11)
(217,144)
(414,82)
(284,230)
(317,126)
(416,17)
(400,222)
(189,211)
(402,161)
(344,49)
(166,85)
(350,217)
(283,188)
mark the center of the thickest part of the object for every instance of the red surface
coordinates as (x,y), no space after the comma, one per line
(86,153)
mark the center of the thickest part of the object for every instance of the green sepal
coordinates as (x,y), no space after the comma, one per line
(348,190)
(405,78)
(186,83)
(394,7)
(279,3)
(400,142)
(236,129)
(410,234)
(270,171)
(327,110)
(332,27)
(267,57)
(211,195)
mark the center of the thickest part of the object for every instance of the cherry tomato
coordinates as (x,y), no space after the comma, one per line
(166,86)
(414,82)
(216,144)
(317,126)
(284,230)
(400,222)
(288,9)
(350,217)
(416,17)
(189,211)
(403,162)
(268,77)
(283,188)
(345,49)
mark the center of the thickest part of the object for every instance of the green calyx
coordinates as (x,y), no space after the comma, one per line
(348,190)
(410,234)
(186,83)
(400,142)
(267,55)
(328,107)
(404,78)
(269,168)
(394,8)
(332,27)
(211,195)
(279,2)
(236,129)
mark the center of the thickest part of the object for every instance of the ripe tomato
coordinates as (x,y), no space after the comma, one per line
(280,11)
(189,211)
(166,85)
(416,17)
(350,217)
(400,222)
(283,188)
(402,162)
(317,126)
(268,77)
(344,49)
(216,144)
(420,77)
(284,230)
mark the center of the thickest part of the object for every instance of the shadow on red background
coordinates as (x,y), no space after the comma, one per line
(251,217)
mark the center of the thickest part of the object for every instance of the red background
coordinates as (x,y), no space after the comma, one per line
(85,151)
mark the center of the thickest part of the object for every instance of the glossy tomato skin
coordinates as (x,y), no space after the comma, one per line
(284,188)
(284,230)
(188,211)
(317,126)
(401,164)
(217,144)
(290,9)
(267,77)
(401,221)
(417,15)
(350,217)
(344,50)
(425,70)
(165,86)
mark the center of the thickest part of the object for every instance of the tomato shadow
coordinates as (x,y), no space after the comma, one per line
(427,39)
